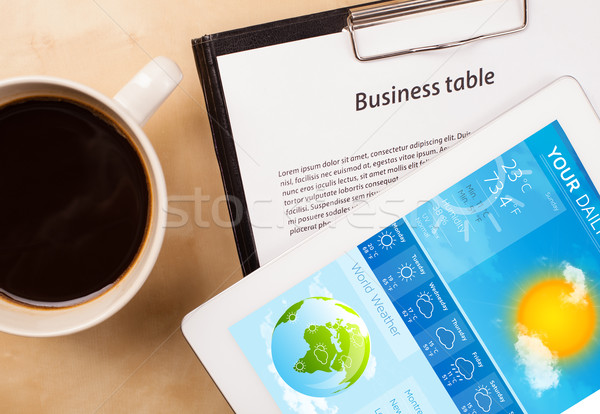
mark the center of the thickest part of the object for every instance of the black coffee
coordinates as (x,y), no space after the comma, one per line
(74,201)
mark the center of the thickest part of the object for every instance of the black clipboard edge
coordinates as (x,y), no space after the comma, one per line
(282,31)
(206,51)
(208,69)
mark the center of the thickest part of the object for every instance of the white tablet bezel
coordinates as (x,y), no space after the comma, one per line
(207,328)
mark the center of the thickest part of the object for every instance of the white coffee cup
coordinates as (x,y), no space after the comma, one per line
(131,107)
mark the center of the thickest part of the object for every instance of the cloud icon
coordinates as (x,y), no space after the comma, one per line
(446,337)
(465,367)
(541,366)
(483,400)
(424,305)
(576,278)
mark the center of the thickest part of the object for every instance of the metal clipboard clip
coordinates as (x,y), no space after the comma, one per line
(362,19)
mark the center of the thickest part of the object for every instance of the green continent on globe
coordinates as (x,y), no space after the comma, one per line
(331,348)
(290,314)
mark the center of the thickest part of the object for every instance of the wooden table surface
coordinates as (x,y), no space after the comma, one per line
(138,360)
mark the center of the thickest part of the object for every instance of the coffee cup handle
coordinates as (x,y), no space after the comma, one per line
(149,88)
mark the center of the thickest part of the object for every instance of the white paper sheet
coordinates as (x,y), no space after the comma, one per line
(298,106)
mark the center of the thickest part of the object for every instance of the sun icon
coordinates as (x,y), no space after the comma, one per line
(406,272)
(386,240)
(564,322)
(300,366)
(292,317)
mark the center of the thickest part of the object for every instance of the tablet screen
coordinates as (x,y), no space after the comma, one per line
(482,300)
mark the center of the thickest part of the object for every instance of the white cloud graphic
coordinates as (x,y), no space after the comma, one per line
(317,289)
(266,332)
(576,278)
(541,371)
(304,404)
(371,368)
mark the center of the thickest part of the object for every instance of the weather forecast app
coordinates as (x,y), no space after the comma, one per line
(434,319)
(482,300)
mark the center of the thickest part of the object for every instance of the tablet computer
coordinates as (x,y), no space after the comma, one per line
(469,287)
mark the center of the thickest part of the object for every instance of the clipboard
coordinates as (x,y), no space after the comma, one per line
(206,50)
(359,23)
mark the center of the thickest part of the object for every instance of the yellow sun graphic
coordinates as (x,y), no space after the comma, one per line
(564,322)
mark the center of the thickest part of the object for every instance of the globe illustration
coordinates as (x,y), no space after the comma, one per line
(320,346)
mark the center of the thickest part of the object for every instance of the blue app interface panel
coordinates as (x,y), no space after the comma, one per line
(482,300)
